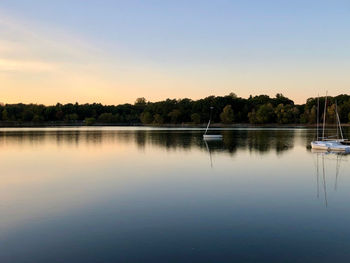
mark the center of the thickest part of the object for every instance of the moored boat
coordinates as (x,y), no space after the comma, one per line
(335,146)
(324,143)
(211,136)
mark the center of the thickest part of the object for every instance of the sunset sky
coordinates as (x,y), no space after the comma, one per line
(115,51)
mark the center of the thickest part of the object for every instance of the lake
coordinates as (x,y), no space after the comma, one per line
(164,195)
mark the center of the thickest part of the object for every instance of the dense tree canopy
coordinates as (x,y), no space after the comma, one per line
(228,109)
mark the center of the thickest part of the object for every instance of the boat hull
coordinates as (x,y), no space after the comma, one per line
(212,137)
(334,146)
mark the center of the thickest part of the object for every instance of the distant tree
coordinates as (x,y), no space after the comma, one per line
(257,101)
(106,118)
(59,115)
(285,114)
(343,110)
(257,109)
(233,95)
(146,117)
(313,114)
(71,117)
(252,117)
(296,114)
(227,115)
(37,118)
(140,101)
(4,115)
(90,121)
(27,115)
(331,114)
(117,118)
(280,99)
(158,119)
(303,118)
(265,113)
(310,115)
(174,115)
(196,118)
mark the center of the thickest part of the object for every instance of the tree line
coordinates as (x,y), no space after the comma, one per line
(229,109)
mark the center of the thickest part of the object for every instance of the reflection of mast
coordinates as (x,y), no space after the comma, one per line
(211,161)
(324,182)
(317,177)
(337,168)
(337,173)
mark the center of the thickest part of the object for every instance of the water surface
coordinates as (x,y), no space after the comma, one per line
(164,195)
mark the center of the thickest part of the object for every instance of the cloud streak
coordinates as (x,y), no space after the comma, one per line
(25,66)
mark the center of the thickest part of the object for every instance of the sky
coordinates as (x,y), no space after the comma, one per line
(113,52)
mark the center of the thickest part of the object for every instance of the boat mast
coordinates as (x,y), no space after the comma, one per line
(211,110)
(324,116)
(318,109)
(338,120)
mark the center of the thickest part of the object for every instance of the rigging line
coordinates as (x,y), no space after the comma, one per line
(324,115)
(338,119)
(317,117)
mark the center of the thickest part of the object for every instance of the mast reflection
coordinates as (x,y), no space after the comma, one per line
(213,145)
(327,157)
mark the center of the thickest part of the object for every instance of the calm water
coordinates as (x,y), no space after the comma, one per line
(148,195)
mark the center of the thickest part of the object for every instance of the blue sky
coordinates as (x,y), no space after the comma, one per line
(116,51)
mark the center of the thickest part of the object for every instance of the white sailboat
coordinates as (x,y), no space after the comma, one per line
(211,136)
(326,144)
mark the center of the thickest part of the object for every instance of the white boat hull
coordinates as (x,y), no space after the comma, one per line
(212,137)
(334,146)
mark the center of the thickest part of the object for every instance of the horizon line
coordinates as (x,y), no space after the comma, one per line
(177,99)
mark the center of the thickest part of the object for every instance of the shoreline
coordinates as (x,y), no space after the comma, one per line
(183,125)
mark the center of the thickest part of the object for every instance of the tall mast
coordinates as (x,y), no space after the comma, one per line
(318,109)
(324,116)
(211,110)
(338,119)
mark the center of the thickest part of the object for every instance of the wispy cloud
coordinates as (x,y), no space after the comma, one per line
(41,47)
(25,66)
(47,64)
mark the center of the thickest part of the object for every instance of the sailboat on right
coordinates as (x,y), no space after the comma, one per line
(330,143)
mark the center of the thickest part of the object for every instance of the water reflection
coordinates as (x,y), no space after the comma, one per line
(261,141)
(212,145)
(322,160)
(149,195)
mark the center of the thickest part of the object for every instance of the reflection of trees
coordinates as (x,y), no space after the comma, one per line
(261,140)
